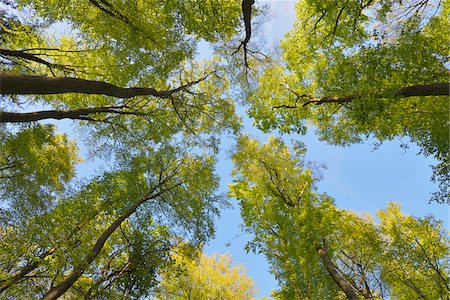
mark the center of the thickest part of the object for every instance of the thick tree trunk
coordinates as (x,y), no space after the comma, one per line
(334,273)
(14,84)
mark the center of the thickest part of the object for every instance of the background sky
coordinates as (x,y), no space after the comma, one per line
(358,177)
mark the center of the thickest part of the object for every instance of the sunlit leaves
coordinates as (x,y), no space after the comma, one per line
(205,277)
(35,163)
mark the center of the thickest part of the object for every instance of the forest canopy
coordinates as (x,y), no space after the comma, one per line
(128,78)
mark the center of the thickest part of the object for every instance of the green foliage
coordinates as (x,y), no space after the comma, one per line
(50,221)
(35,163)
(155,35)
(128,264)
(400,256)
(369,51)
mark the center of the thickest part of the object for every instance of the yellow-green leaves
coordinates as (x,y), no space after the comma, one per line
(205,277)
(289,220)
(35,163)
(416,255)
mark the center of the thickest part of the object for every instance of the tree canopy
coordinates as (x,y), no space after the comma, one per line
(356,69)
(127,76)
(318,251)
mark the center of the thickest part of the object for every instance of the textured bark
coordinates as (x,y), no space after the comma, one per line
(334,273)
(435,89)
(20,84)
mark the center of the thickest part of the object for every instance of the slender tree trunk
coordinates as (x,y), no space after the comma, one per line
(334,273)
(75,114)
(436,89)
(25,271)
(80,268)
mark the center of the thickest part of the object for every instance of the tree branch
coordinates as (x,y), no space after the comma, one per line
(435,89)
(20,84)
(28,56)
(75,114)
(5,284)
(80,268)
(247,14)
(334,273)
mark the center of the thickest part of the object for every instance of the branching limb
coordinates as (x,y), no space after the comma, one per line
(335,274)
(23,54)
(247,14)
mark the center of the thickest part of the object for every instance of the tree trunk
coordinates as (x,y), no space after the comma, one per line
(13,84)
(80,268)
(334,273)
(75,114)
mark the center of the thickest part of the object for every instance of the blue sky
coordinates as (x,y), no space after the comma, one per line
(358,177)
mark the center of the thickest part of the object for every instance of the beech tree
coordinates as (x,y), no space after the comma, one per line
(358,69)
(125,74)
(318,251)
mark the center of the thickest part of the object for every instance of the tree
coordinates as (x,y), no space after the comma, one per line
(130,83)
(122,220)
(205,277)
(356,69)
(318,251)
